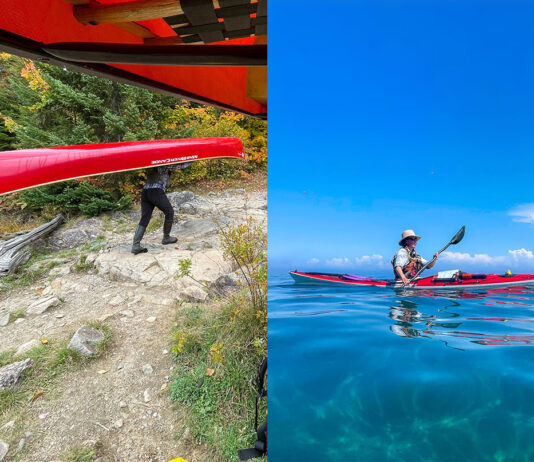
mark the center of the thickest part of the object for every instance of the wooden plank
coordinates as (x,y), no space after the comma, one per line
(127,12)
(135,29)
(131,27)
(257,78)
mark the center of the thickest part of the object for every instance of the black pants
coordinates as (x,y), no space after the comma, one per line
(155,197)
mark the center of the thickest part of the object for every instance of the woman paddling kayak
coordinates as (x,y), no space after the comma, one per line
(406,262)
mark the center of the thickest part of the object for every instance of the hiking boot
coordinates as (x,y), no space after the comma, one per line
(139,233)
(167,238)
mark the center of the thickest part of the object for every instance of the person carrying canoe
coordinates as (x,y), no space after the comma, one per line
(153,195)
(406,262)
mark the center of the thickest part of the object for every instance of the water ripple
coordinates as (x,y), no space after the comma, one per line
(379,375)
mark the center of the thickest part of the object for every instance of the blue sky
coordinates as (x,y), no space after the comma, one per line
(387,115)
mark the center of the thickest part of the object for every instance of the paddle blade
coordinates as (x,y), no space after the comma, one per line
(458,236)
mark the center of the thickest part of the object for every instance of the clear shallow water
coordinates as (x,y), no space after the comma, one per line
(375,375)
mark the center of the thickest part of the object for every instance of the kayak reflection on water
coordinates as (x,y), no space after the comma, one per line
(410,322)
(409,318)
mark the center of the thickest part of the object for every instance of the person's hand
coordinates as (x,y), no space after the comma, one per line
(405,280)
(436,255)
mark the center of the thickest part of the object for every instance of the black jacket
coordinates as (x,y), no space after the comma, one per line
(161,175)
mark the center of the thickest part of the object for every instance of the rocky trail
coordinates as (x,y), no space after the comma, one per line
(118,403)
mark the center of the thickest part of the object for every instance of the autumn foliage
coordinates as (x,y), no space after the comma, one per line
(43,105)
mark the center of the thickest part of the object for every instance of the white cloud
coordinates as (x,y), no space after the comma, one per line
(523,213)
(520,259)
(373,261)
(458,257)
(513,258)
(338,262)
(520,255)
(368,261)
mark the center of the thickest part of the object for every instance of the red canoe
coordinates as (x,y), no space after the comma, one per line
(459,281)
(35,167)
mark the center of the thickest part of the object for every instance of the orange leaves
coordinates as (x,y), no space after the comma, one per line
(10,124)
(33,76)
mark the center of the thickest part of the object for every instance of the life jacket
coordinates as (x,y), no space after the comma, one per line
(413,266)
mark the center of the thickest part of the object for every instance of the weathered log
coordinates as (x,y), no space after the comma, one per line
(12,254)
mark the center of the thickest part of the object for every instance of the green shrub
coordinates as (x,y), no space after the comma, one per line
(74,197)
(217,352)
(246,245)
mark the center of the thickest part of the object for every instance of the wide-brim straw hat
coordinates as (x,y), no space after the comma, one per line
(408,233)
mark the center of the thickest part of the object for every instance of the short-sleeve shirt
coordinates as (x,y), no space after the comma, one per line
(402,259)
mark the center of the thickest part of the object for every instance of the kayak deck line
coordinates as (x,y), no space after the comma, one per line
(471,281)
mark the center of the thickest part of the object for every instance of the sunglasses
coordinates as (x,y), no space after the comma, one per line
(411,239)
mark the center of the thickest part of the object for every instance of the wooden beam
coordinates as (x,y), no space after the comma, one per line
(131,27)
(126,12)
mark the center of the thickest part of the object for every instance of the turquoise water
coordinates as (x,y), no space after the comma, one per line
(375,375)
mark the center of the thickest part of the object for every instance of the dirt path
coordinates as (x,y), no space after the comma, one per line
(118,403)
(126,410)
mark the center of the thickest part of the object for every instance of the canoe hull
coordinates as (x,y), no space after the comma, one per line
(29,168)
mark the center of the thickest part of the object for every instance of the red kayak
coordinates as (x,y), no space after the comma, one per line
(444,280)
(28,168)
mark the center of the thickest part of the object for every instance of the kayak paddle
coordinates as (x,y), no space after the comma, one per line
(457,238)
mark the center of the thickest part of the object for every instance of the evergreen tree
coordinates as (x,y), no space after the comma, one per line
(51,106)
(6,139)
(43,105)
